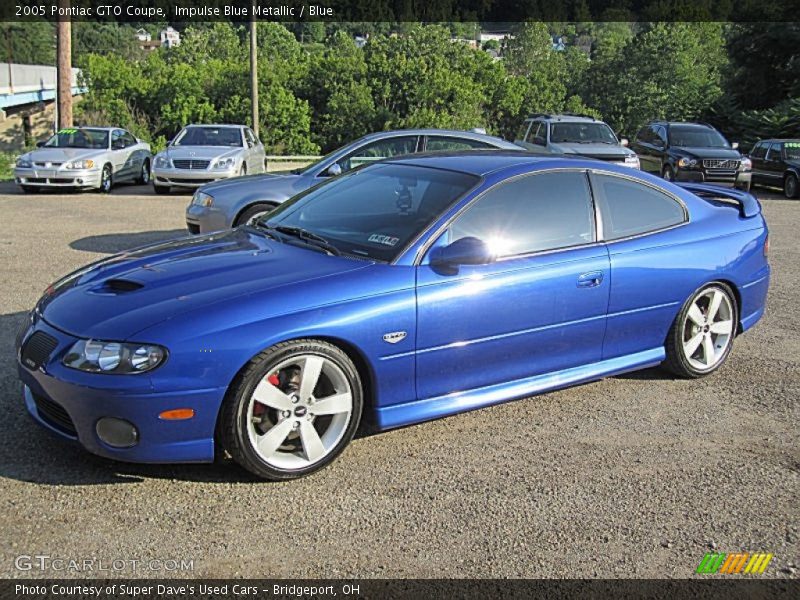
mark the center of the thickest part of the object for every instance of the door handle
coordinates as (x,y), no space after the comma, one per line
(592,279)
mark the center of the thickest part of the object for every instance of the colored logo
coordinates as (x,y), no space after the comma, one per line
(730,564)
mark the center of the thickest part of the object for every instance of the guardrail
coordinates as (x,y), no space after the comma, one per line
(275,163)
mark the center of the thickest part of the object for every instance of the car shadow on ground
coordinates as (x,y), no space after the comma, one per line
(112,243)
(32,454)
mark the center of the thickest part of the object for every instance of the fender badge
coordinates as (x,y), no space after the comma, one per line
(394,337)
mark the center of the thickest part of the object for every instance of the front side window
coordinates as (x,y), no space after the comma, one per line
(79,137)
(522,134)
(379,150)
(582,133)
(209,136)
(759,150)
(631,208)
(375,211)
(690,136)
(534,213)
(439,143)
(774,151)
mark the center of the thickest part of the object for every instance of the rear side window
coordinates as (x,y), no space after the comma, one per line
(531,214)
(438,143)
(631,208)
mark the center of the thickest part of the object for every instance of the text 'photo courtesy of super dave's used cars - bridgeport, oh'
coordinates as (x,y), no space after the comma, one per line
(366,298)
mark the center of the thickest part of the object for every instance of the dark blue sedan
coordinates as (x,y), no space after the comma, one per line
(403,291)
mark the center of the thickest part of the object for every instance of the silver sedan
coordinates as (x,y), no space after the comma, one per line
(201,154)
(84,158)
(230,203)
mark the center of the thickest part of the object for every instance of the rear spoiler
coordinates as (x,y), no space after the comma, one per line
(747,202)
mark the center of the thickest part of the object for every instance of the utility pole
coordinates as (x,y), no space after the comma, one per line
(253,71)
(64,69)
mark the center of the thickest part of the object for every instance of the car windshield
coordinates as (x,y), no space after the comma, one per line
(374,211)
(209,136)
(79,137)
(696,137)
(582,133)
(792,150)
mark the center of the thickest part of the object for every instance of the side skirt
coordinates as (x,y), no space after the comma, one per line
(408,413)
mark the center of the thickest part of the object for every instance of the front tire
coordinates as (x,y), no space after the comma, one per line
(668,174)
(293,410)
(790,187)
(144,174)
(701,338)
(106,180)
(253,212)
(161,189)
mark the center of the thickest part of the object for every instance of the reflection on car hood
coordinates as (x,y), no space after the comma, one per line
(591,149)
(61,154)
(698,152)
(126,293)
(200,152)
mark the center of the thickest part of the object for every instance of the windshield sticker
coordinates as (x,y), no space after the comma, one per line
(386,240)
(792,145)
(67,131)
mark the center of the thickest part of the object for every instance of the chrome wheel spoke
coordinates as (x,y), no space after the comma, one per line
(722,327)
(269,443)
(312,443)
(690,346)
(339,403)
(267,394)
(310,376)
(696,315)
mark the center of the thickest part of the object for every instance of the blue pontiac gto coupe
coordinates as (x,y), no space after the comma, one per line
(405,290)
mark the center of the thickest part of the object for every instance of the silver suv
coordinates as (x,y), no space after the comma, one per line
(575,134)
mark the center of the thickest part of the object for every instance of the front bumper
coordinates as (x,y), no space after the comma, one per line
(69,404)
(58,178)
(706,176)
(203,219)
(189,178)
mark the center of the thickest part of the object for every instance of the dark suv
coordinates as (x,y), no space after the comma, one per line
(691,152)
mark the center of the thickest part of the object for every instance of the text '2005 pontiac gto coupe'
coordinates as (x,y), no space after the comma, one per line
(406,290)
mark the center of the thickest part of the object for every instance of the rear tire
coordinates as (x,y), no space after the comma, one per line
(790,186)
(701,338)
(252,212)
(144,174)
(308,409)
(161,189)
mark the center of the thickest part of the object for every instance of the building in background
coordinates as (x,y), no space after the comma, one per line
(170,38)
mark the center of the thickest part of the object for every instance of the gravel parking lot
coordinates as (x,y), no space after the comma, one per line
(633,476)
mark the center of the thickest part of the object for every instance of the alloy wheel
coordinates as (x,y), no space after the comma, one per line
(790,186)
(299,412)
(145,177)
(708,329)
(105,179)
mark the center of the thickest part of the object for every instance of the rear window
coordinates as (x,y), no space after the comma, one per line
(630,208)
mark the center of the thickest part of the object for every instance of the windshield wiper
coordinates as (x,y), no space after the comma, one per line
(312,239)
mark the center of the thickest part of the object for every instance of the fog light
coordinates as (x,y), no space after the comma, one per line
(79,180)
(117,432)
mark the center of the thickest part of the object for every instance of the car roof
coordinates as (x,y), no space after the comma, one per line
(778,140)
(470,135)
(682,123)
(565,117)
(214,125)
(101,128)
(479,162)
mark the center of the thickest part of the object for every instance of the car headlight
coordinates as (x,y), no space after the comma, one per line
(162,162)
(24,163)
(225,163)
(202,199)
(119,358)
(684,162)
(631,160)
(79,164)
(746,164)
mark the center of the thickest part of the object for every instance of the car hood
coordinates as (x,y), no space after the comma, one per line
(61,154)
(592,149)
(246,182)
(200,152)
(251,188)
(697,152)
(119,296)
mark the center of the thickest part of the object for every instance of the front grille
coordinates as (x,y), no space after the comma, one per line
(37,349)
(720,163)
(36,180)
(54,414)
(48,164)
(189,181)
(190,164)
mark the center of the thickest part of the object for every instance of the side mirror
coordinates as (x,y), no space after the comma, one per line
(735,145)
(334,170)
(465,251)
(40,144)
(624,142)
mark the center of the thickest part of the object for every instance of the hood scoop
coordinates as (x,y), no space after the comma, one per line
(118,286)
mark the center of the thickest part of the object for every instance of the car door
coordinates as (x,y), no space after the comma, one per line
(651,276)
(757,156)
(257,156)
(774,166)
(539,308)
(644,144)
(119,155)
